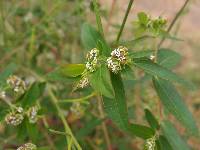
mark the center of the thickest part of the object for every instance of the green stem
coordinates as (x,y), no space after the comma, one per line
(174,21)
(62,117)
(98,17)
(78,99)
(124,21)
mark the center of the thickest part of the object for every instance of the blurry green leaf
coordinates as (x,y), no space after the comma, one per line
(88,128)
(141,54)
(173,136)
(9,70)
(141,131)
(143,18)
(90,36)
(100,81)
(72,70)
(168,58)
(164,144)
(173,102)
(34,92)
(116,108)
(151,120)
(32,130)
(57,75)
(157,70)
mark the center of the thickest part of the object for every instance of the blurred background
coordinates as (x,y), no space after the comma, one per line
(41,34)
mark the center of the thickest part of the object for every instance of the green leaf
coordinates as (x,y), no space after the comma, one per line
(34,92)
(72,70)
(141,131)
(151,120)
(90,36)
(116,108)
(163,143)
(141,54)
(155,69)
(100,81)
(31,130)
(168,58)
(88,128)
(173,102)
(57,75)
(173,137)
(9,70)
(143,18)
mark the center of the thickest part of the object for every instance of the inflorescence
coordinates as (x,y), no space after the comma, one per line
(27,146)
(118,58)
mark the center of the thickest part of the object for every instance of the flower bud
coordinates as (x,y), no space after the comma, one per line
(17,84)
(14,118)
(32,114)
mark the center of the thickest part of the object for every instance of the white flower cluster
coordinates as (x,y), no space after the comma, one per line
(32,114)
(119,57)
(16,83)
(92,60)
(83,83)
(77,109)
(15,118)
(150,143)
(27,146)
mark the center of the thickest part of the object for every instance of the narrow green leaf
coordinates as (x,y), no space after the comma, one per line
(151,120)
(116,108)
(57,75)
(34,92)
(168,58)
(100,81)
(88,128)
(90,36)
(173,102)
(9,70)
(164,144)
(157,70)
(32,130)
(173,136)
(141,131)
(141,54)
(72,70)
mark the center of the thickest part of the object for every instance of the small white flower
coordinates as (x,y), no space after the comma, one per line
(32,114)
(14,118)
(2,94)
(113,64)
(150,143)
(152,57)
(92,54)
(83,83)
(16,83)
(27,146)
(19,109)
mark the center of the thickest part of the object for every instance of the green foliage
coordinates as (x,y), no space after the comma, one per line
(174,104)
(33,94)
(82,103)
(151,120)
(173,137)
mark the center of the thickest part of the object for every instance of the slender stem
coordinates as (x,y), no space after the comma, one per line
(124,20)
(98,17)
(62,117)
(78,99)
(54,100)
(174,21)
(104,128)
